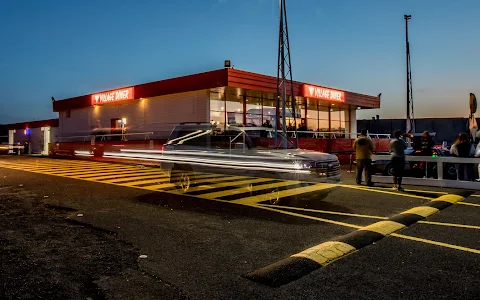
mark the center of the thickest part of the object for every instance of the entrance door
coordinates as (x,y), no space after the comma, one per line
(45,140)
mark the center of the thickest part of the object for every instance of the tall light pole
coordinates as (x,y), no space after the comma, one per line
(410,115)
(284,77)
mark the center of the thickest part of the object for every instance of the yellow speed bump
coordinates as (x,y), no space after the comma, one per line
(384,227)
(326,252)
(449,198)
(423,211)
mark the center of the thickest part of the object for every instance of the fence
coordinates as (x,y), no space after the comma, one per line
(440,163)
(334,134)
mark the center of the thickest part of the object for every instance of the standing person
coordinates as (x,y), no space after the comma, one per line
(463,148)
(397,147)
(364,147)
(426,149)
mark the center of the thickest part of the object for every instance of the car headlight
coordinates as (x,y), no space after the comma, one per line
(301,166)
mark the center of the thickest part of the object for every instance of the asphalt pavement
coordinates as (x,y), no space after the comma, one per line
(204,243)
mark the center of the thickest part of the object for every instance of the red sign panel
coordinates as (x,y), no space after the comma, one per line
(113,96)
(311,91)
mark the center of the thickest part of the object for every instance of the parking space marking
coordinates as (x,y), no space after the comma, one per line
(469,204)
(376,190)
(427,241)
(307,216)
(326,212)
(450,224)
(285,193)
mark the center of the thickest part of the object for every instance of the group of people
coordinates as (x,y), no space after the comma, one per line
(463,146)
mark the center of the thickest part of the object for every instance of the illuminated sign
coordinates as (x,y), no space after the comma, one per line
(113,96)
(310,91)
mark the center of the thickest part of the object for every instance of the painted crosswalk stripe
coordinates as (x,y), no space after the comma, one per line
(230,183)
(122,175)
(145,182)
(286,193)
(130,179)
(101,174)
(216,195)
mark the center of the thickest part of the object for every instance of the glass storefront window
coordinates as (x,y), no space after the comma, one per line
(323,125)
(217,105)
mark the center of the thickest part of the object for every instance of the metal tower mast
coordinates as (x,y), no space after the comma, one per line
(410,115)
(285,93)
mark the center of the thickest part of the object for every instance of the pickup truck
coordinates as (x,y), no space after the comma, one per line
(251,151)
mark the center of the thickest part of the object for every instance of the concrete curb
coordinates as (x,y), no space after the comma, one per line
(309,260)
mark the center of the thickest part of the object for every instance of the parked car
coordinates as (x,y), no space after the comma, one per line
(415,168)
(202,147)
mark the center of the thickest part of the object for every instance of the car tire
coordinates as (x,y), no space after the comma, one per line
(183,178)
(388,171)
(450,172)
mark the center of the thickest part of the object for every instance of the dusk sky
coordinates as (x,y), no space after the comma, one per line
(70,48)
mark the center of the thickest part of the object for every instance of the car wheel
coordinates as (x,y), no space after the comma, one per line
(183,178)
(450,172)
(388,170)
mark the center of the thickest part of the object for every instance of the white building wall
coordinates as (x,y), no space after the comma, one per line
(158,115)
(353,122)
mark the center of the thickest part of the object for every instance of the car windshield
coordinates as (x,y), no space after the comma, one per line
(259,141)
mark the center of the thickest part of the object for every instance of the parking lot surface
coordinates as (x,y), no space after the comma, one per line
(204,243)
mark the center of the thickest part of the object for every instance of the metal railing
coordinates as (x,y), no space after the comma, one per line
(440,162)
(103,137)
(336,134)
(242,133)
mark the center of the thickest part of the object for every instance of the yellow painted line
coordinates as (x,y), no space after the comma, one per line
(426,191)
(158,186)
(423,211)
(285,193)
(231,183)
(75,170)
(450,224)
(436,243)
(108,173)
(302,216)
(384,227)
(135,183)
(326,252)
(449,198)
(369,189)
(327,212)
(215,195)
(120,180)
(124,174)
(156,180)
(478,196)
(210,177)
(469,204)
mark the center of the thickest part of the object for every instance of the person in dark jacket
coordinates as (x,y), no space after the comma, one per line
(463,148)
(397,148)
(427,144)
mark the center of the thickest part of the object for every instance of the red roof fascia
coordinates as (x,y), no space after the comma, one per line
(268,84)
(34,124)
(195,82)
(212,79)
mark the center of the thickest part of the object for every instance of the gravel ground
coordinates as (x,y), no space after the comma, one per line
(46,255)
